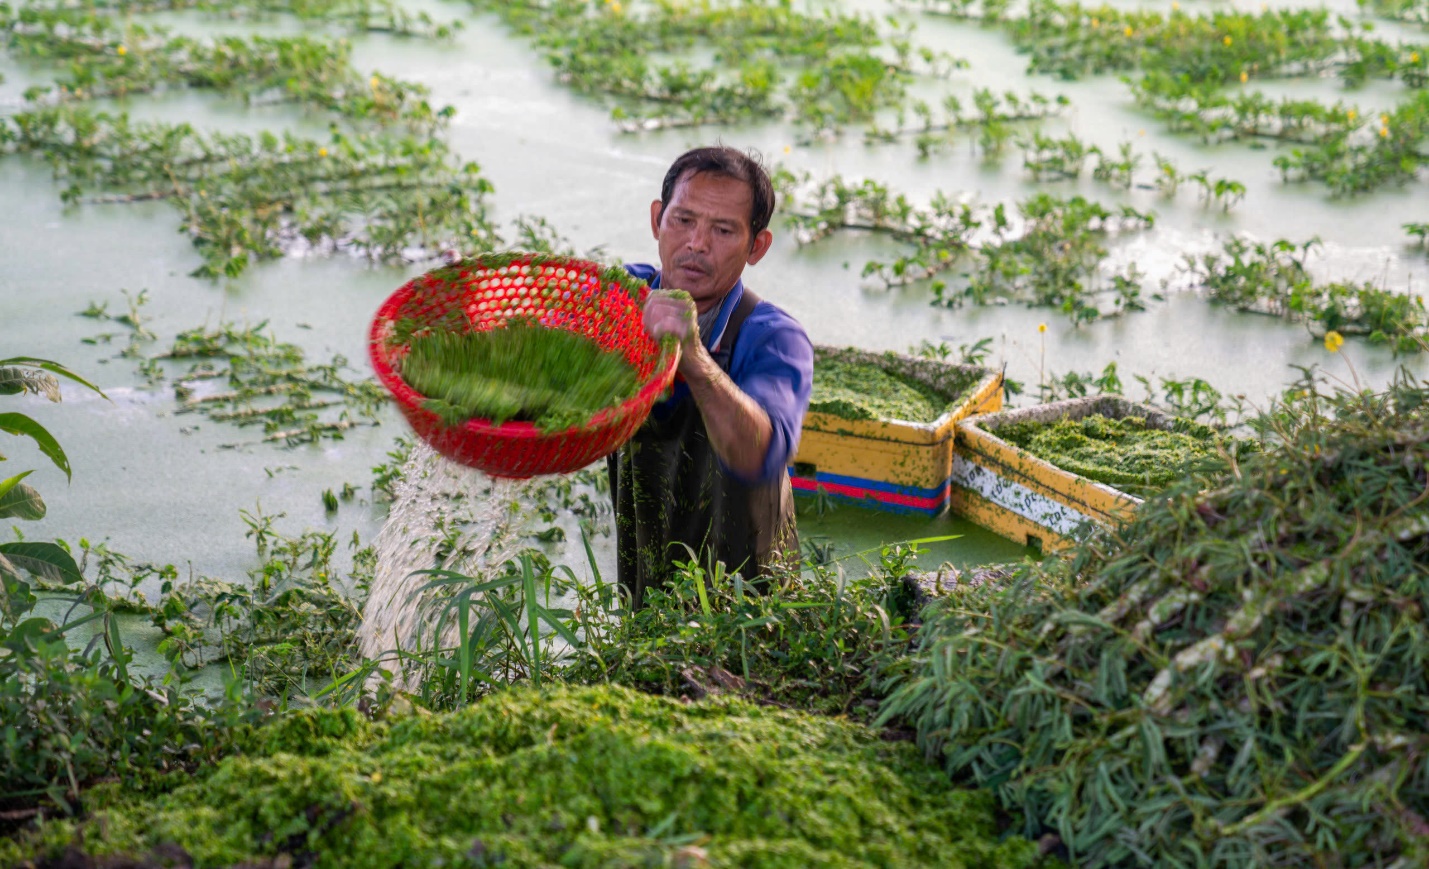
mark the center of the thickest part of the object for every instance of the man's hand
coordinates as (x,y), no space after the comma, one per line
(671,312)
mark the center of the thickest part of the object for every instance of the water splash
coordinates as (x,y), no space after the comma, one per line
(443,516)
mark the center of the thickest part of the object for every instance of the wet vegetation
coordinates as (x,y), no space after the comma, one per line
(1232,677)
(723,782)
(757,60)
(1123,453)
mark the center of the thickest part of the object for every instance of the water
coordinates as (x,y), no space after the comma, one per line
(164,488)
(447,517)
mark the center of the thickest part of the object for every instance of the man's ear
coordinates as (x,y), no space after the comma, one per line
(655,218)
(762,241)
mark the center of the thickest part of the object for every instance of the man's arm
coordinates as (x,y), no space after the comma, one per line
(738,427)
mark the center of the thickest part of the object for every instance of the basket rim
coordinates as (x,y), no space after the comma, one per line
(411,400)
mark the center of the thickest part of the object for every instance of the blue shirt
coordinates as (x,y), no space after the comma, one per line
(773,363)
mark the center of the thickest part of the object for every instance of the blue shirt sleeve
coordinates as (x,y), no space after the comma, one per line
(773,364)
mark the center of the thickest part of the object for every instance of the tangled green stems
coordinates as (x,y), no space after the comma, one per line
(523,371)
(1233,677)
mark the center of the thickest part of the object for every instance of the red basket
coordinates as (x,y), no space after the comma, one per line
(558,293)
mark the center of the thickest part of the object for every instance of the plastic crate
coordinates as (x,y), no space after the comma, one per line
(1029,500)
(892,465)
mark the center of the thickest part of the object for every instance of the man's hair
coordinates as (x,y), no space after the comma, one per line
(731,163)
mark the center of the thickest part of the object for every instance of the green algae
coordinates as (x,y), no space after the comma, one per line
(524,372)
(860,390)
(567,776)
(1124,453)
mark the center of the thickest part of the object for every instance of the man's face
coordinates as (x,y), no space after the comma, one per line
(704,236)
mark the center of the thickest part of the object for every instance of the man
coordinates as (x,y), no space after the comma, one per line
(708,468)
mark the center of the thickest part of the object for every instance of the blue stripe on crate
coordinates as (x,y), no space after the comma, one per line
(877,485)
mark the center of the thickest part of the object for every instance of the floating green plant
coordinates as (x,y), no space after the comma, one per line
(522,372)
(765,58)
(255,197)
(1123,453)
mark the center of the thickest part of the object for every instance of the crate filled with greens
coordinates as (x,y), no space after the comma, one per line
(1040,475)
(880,427)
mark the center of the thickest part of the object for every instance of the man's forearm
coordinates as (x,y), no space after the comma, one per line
(738,427)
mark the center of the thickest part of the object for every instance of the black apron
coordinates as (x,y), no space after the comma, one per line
(669,489)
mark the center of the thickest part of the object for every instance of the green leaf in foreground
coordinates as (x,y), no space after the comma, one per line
(20,425)
(46,560)
(19,501)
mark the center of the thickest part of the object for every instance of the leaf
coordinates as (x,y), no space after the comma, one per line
(14,381)
(19,424)
(18,640)
(19,501)
(44,560)
(53,368)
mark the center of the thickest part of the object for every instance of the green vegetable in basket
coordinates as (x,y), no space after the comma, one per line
(523,372)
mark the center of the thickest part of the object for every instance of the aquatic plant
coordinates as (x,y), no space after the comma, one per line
(1272,278)
(993,120)
(367,16)
(1051,256)
(1233,677)
(1189,70)
(854,390)
(390,198)
(523,371)
(721,782)
(103,56)
(731,61)
(1122,453)
(70,716)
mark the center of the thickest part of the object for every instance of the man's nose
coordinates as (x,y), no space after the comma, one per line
(698,239)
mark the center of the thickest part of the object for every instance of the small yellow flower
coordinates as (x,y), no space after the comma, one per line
(615,7)
(377,778)
(1041,327)
(121,50)
(1141,132)
(1096,24)
(1175,6)
(1383,132)
(374,81)
(788,148)
(1128,31)
(1244,77)
(1334,341)
(1384,120)
(1414,57)
(1227,40)
(322,152)
(1351,115)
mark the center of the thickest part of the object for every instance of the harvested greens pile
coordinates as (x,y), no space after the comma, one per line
(583,777)
(1235,678)
(1123,453)
(862,390)
(524,372)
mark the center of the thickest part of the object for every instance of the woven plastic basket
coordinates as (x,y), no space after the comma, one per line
(558,293)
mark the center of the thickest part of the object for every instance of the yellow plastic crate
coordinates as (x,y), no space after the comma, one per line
(1032,501)
(891,465)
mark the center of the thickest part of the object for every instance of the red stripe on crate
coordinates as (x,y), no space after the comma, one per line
(922,503)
